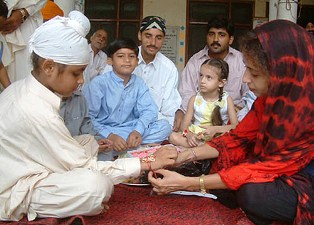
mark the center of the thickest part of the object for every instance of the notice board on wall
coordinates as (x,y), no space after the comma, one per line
(170,47)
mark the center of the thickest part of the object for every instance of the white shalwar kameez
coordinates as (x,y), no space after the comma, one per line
(44,171)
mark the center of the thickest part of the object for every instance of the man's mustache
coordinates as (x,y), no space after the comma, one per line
(215,43)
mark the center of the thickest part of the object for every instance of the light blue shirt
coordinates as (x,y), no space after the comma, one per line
(114,107)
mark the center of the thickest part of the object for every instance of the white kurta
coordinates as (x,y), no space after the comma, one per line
(16,57)
(161,76)
(43,170)
(97,64)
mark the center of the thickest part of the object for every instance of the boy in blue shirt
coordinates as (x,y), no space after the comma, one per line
(120,105)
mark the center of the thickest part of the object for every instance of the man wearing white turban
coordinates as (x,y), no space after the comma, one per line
(44,171)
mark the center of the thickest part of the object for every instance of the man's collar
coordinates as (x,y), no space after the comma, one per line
(142,61)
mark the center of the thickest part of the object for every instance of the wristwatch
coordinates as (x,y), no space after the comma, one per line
(24,16)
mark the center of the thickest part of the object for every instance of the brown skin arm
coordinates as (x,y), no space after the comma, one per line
(14,21)
(178,120)
(173,181)
(4,78)
(164,156)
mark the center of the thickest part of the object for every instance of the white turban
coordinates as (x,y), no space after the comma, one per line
(62,39)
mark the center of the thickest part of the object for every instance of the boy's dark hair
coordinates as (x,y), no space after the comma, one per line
(217,22)
(3,9)
(119,43)
(223,74)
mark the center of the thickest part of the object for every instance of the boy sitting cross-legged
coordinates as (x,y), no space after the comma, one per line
(120,105)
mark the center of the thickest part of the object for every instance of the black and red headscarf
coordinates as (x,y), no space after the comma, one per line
(276,139)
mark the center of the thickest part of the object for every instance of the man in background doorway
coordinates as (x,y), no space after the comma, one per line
(98,58)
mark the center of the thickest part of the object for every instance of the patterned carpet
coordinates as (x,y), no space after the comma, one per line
(134,205)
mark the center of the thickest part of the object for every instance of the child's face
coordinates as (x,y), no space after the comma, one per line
(65,80)
(256,77)
(209,79)
(124,62)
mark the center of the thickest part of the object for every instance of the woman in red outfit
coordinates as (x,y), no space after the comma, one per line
(266,160)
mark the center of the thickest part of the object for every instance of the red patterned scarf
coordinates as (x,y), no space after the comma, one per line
(276,138)
(287,127)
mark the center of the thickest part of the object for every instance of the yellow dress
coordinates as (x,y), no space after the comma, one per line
(203,112)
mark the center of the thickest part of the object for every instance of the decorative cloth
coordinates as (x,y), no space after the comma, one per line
(153,22)
(70,46)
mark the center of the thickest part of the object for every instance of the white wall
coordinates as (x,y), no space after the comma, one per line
(174,12)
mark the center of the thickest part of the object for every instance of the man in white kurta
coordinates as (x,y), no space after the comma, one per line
(97,57)
(44,171)
(16,55)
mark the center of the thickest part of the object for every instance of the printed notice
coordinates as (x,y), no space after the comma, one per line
(171,44)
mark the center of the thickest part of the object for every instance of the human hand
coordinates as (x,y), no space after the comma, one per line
(178,120)
(134,139)
(13,22)
(164,156)
(192,139)
(104,144)
(119,144)
(207,134)
(170,181)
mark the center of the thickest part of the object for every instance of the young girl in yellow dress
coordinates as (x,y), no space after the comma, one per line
(210,110)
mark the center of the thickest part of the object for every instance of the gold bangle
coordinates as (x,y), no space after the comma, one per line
(202,185)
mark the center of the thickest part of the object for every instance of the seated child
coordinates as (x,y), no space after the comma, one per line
(210,108)
(74,112)
(120,105)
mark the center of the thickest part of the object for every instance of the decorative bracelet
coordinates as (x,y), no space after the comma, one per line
(202,184)
(148,159)
(194,154)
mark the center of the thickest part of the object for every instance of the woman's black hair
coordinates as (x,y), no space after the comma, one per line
(251,46)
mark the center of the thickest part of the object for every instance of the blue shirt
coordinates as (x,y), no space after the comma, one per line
(113,105)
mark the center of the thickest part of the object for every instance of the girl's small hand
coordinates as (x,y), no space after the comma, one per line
(209,133)
(192,139)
